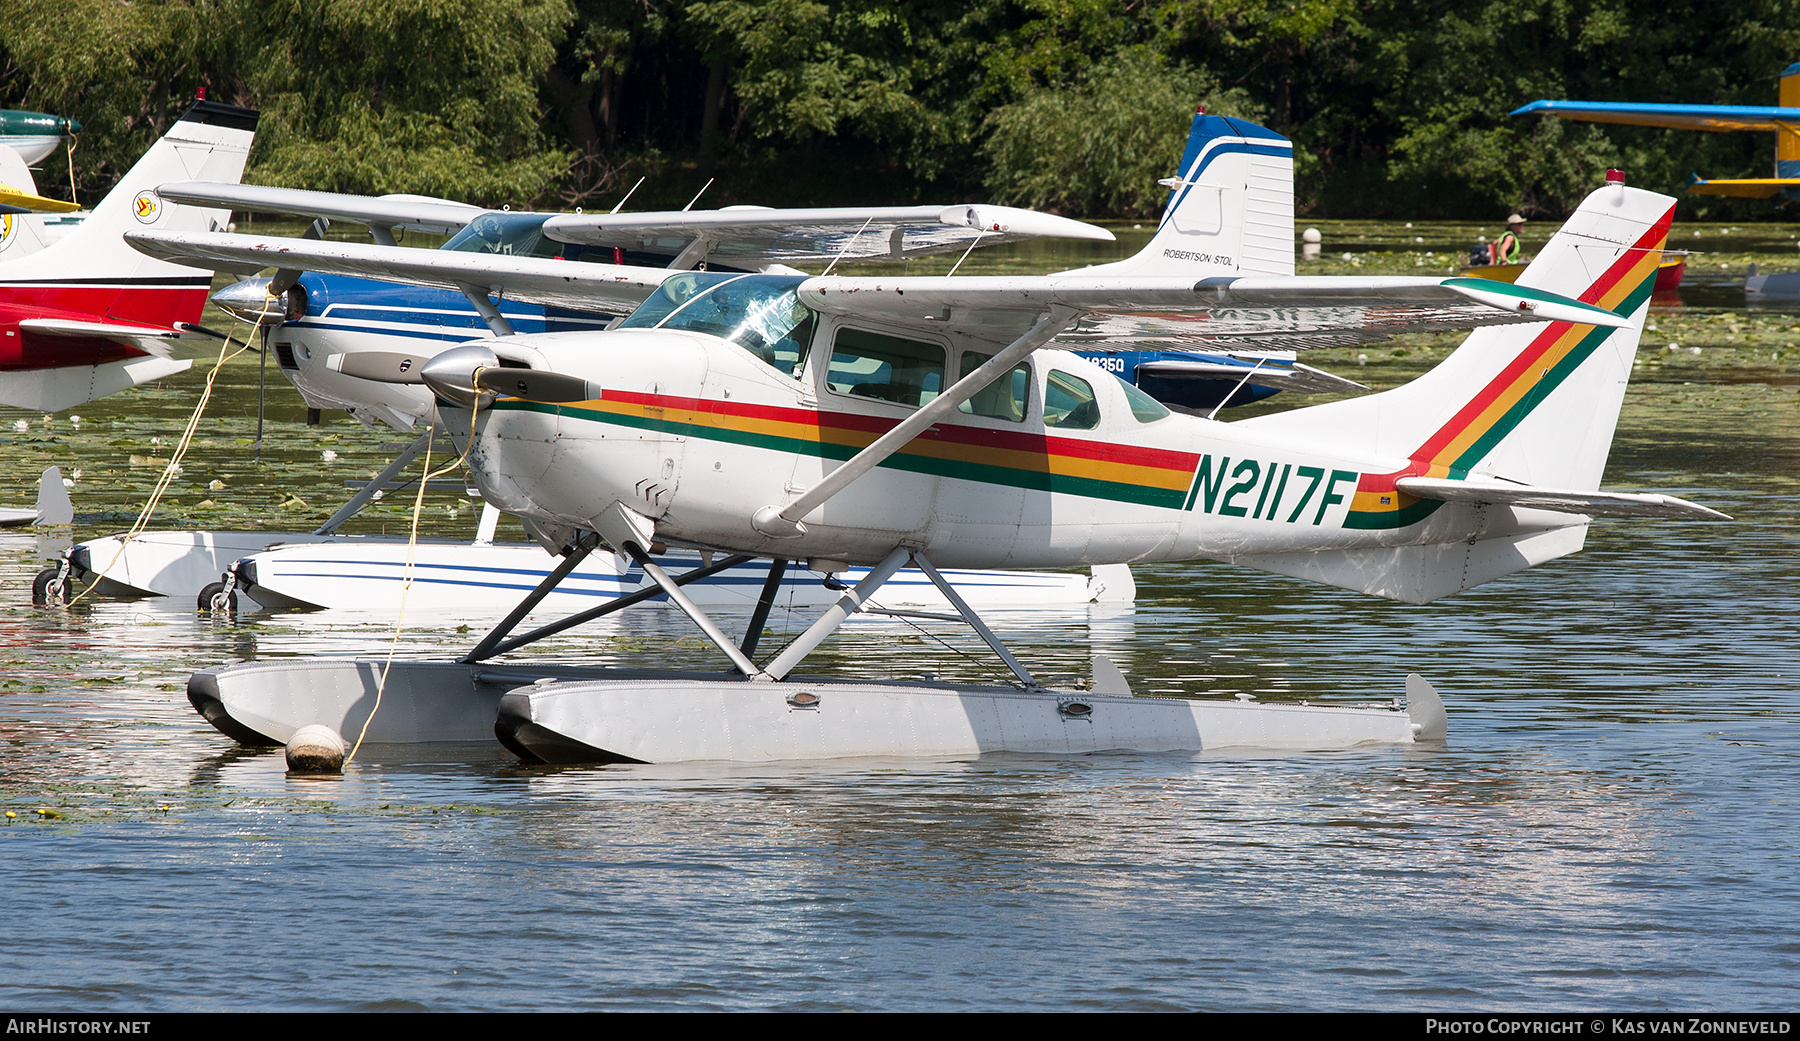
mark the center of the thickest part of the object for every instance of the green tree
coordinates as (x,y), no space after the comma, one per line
(1097,146)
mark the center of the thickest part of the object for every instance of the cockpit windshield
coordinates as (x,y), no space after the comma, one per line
(510,234)
(760,313)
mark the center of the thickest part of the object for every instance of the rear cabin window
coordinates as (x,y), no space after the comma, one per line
(1006,398)
(1069,402)
(886,368)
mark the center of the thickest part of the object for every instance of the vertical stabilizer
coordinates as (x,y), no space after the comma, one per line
(208,143)
(1230,210)
(1533,404)
(1787,136)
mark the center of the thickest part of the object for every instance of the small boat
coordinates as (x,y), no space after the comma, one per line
(1496,272)
(1669,272)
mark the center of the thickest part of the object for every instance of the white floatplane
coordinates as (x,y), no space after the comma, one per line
(364,328)
(936,421)
(354,343)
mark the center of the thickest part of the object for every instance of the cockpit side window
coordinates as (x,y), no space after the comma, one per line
(1006,398)
(887,368)
(522,235)
(1069,402)
(1144,408)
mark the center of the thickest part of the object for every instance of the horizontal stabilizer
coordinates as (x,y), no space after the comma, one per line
(1719,118)
(52,390)
(1593,504)
(413,212)
(1742,188)
(1287,375)
(156,341)
(1537,302)
(1421,574)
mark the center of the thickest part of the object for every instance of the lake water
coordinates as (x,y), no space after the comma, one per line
(1612,825)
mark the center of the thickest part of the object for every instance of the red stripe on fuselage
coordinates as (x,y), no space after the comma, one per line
(944,431)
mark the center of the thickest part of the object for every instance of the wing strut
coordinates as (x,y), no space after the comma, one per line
(496,322)
(783,522)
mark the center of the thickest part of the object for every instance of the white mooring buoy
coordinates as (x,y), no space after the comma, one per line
(315,749)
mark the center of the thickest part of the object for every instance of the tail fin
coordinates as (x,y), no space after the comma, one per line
(1231,210)
(209,143)
(1534,404)
(1787,138)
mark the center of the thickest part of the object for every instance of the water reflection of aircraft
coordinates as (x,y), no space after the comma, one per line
(87,315)
(888,421)
(1783,119)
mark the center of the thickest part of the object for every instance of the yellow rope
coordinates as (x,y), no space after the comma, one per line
(72,170)
(174,465)
(406,574)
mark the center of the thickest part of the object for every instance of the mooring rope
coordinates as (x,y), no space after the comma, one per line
(173,467)
(406,573)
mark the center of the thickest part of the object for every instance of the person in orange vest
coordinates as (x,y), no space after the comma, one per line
(1506,248)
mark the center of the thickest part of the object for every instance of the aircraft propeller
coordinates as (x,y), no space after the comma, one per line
(465,374)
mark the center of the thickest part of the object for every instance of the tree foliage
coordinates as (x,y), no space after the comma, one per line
(1100,143)
(1396,107)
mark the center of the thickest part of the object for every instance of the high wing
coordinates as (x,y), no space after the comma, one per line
(15,200)
(1596,503)
(1116,312)
(604,288)
(1741,188)
(1718,118)
(387,212)
(747,235)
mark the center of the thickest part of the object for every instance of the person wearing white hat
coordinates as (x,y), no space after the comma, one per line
(1506,248)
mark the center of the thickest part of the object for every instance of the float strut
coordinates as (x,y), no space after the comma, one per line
(771,586)
(361,498)
(975,622)
(847,605)
(603,610)
(584,544)
(691,609)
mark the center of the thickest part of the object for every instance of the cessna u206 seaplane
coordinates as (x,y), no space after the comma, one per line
(937,421)
(334,332)
(350,342)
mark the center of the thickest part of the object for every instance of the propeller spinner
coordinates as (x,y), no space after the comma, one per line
(465,374)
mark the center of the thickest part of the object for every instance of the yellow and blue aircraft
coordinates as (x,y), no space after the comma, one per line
(1783,118)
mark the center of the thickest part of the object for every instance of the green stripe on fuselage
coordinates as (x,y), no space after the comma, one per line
(981,473)
(1366,520)
(1559,372)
